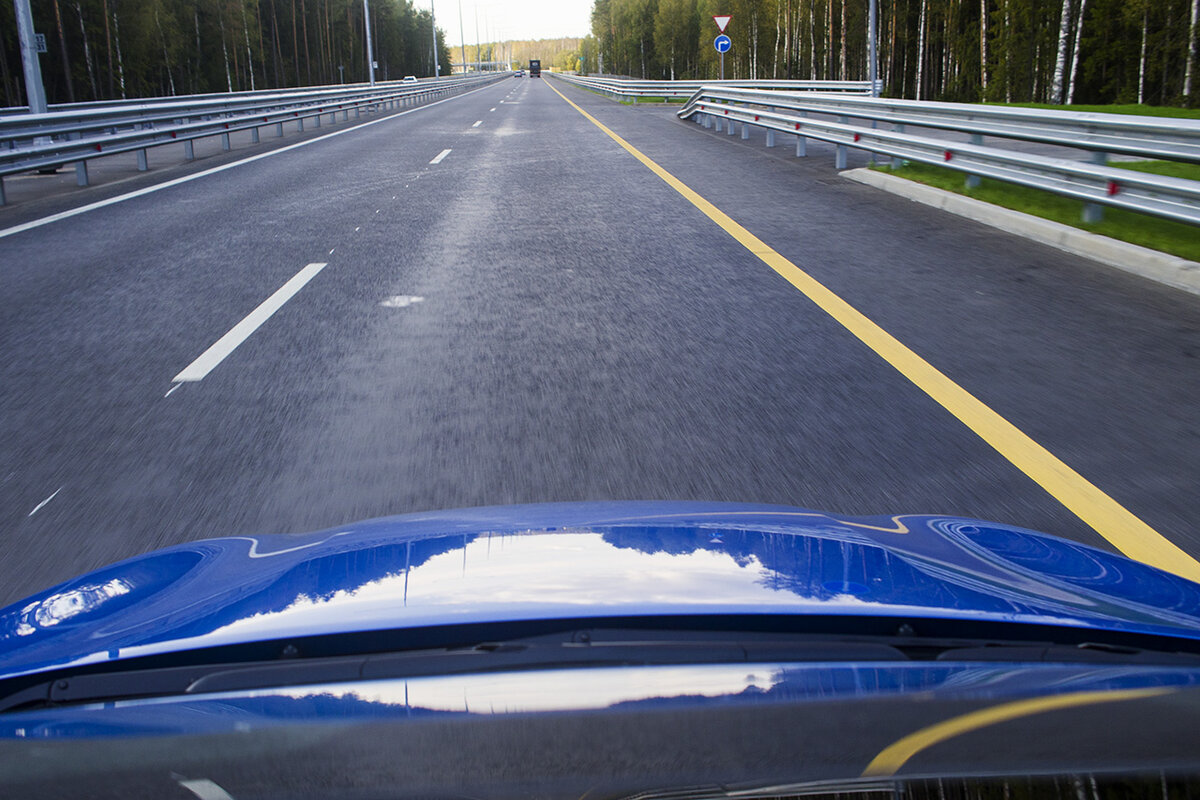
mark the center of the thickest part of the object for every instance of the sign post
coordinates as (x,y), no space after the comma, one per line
(722,43)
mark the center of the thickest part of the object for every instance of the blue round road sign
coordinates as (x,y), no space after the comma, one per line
(722,43)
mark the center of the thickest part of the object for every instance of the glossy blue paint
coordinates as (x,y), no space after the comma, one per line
(586,560)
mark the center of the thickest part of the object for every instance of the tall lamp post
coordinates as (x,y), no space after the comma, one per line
(437,68)
(370,52)
(872,58)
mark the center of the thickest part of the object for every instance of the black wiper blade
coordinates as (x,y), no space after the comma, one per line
(576,650)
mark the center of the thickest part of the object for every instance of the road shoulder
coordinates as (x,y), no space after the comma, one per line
(1161,267)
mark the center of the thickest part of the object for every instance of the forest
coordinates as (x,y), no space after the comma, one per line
(1026,51)
(113,49)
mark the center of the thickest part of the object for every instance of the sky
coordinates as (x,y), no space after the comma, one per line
(511,19)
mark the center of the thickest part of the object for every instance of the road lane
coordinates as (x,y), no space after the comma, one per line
(1094,364)
(581,333)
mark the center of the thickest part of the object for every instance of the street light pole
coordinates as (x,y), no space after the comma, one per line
(872,59)
(35,93)
(462,38)
(437,68)
(370,52)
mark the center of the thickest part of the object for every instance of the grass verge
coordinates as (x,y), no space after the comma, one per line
(1131,109)
(1176,238)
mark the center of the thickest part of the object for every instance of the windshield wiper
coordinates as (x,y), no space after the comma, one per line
(584,648)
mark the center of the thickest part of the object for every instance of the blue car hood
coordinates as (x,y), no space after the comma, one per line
(582,561)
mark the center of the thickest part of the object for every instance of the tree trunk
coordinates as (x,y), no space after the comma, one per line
(307,58)
(812,45)
(162,38)
(921,46)
(775,52)
(120,60)
(1191,50)
(1060,64)
(296,45)
(983,54)
(9,99)
(87,51)
(842,49)
(62,42)
(1075,52)
(246,35)
(225,52)
(108,49)
(1142,59)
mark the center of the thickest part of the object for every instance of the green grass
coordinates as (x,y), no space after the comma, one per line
(1132,108)
(1176,238)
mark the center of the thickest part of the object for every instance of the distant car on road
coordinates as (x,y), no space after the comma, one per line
(519,73)
(613,650)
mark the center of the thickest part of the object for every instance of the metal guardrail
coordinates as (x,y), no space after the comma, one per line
(638,89)
(76,135)
(1095,183)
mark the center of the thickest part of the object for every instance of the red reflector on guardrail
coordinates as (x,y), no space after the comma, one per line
(174,135)
(97,148)
(857,137)
(946,156)
(797,126)
(1113,188)
(756,117)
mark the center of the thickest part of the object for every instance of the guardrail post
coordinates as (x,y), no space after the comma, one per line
(189,151)
(770,138)
(279,129)
(745,130)
(81,176)
(1094,212)
(299,124)
(143,164)
(317,121)
(225,145)
(897,162)
(801,141)
(3,199)
(973,181)
(839,160)
(254,135)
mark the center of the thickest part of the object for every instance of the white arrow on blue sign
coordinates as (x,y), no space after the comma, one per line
(722,43)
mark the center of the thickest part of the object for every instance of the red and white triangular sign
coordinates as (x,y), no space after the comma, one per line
(722,20)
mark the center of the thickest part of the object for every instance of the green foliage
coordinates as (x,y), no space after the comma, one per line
(956,50)
(139,48)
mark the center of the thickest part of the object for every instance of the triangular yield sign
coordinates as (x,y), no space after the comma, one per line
(722,20)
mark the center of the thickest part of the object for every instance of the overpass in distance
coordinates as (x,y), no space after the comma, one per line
(530,293)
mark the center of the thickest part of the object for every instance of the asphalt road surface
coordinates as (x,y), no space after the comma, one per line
(515,309)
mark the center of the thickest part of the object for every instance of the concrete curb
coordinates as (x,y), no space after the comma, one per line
(1166,269)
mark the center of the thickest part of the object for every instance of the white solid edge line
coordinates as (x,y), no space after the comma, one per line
(438,158)
(37,223)
(217,353)
(477,124)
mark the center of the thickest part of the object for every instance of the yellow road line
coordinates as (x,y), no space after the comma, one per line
(895,755)
(1110,519)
